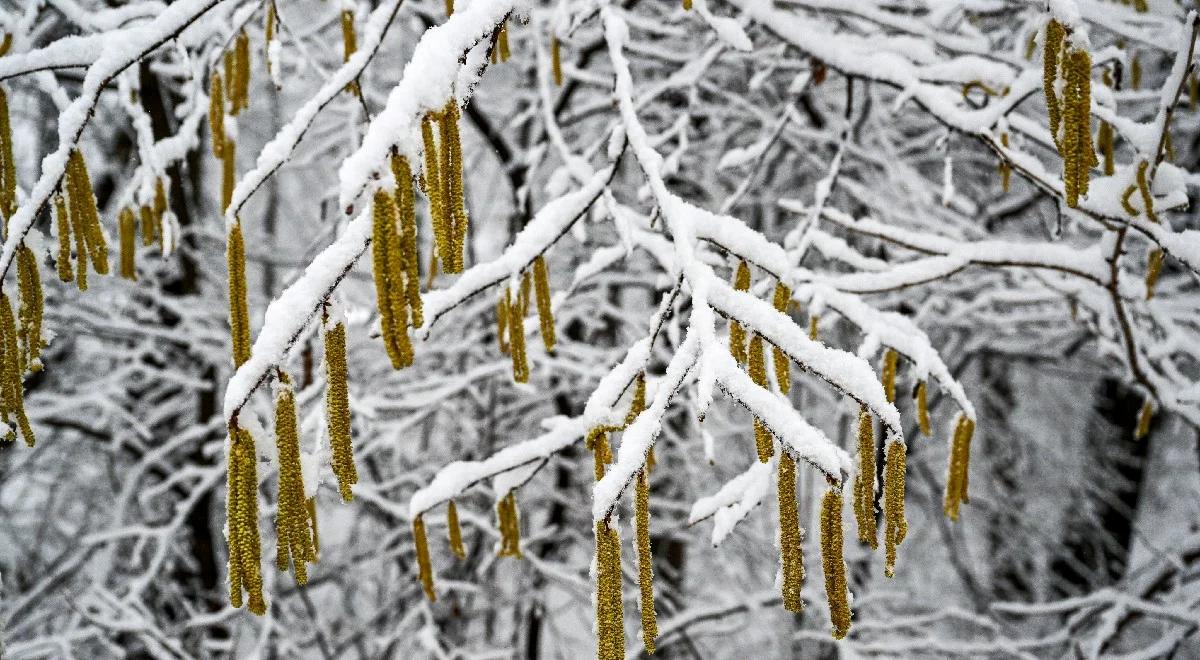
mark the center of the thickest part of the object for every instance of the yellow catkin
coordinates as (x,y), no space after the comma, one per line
(337,411)
(160,208)
(1125,200)
(62,226)
(11,373)
(1055,34)
(864,484)
(292,525)
(687,5)
(502,40)
(1193,92)
(1135,72)
(556,60)
(216,115)
(145,216)
(737,334)
(641,506)
(81,254)
(31,308)
(779,359)
(8,166)
(1004,168)
(923,409)
(454,200)
(510,526)
(239,310)
(1079,156)
(1144,188)
(449,7)
(454,531)
(888,374)
(269,26)
(813,320)
(230,66)
(390,290)
(1105,142)
(82,203)
(424,566)
(406,208)
(610,615)
(241,94)
(637,402)
(502,323)
(349,46)
(597,441)
(245,571)
(541,285)
(228,173)
(834,563)
(957,472)
(895,526)
(312,519)
(1144,418)
(516,333)
(6,44)
(433,190)
(763,440)
(1153,270)
(127,225)
(790,553)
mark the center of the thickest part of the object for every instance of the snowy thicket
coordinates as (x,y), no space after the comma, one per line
(522,330)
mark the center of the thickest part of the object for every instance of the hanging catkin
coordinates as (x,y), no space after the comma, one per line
(1105,141)
(81,253)
(541,286)
(864,483)
(895,526)
(813,319)
(1154,266)
(960,459)
(245,546)
(502,322)
(349,46)
(82,204)
(216,115)
(597,442)
(160,211)
(737,334)
(239,310)
(454,531)
(888,375)
(763,440)
(11,373)
(30,310)
(790,553)
(516,330)
(454,203)
(228,173)
(8,166)
(641,505)
(1144,189)
(610,615)
(292,526)
(312,519)
(502,41)
(779,359)
(510,526)
(424,566)
(337,410)
(1004,168)
(127,225)
(1144,418)
(62,226)
(556,60)
(433,190)
(1071,112)
(241,79)
(923,409)
(406,207)
(390,291)
(834,564)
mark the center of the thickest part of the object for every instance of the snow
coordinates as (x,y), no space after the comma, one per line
(734,501)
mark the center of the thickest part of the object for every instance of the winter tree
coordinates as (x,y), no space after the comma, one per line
(487,329)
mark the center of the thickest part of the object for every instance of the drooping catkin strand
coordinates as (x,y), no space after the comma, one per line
(813,320)
(449,8)
(29,312)
(764,442)
(337,410)
(923,409)
(895,526)
(516,332)
(269,26)
(541,286)
(864,483)
(390,291)
(11,373)
(454,531)
(510,526)
(1125,200)
(888,374)
(1079,156)
(216,115)
(834,563)
(228,173)
(81,254)
(424,566)
(502,323)
(1153,270)
(779,359)
(146,217)
(230,66)
(292,526)
(62,226)
(433,190)
(241,81)
(1052,46)
(312,520)
(160,208)
(687,5)
(502,42)
(349,46)
(1145,416)
(641,505)
(637,403)
(1004,168)
(1135,72)
(239,309)
(957,472)
(454,199)
(245,547)
(790,553)
(556,60)
(127,226)
(1144,189)
(8,166)
(406,207)
(610,615)
(82,204)
(1105,142)
(737,334)
(597,442)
